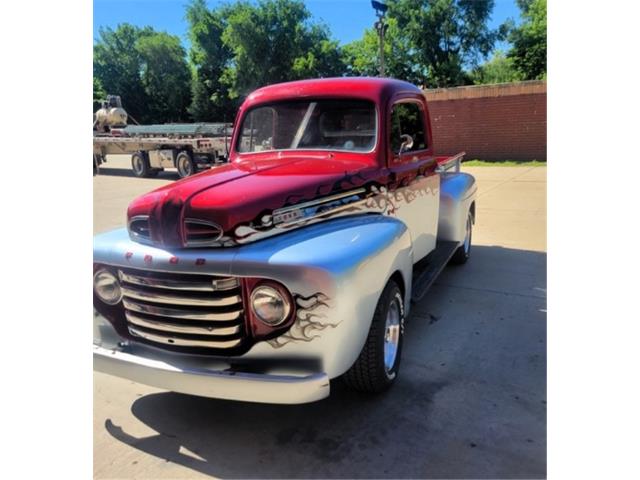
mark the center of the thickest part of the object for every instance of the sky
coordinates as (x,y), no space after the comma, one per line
(347,19)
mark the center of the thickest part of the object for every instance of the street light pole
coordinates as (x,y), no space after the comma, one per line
(380,26)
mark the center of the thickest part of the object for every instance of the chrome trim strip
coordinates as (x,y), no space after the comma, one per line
(319,201)
(202,286)
(180,299)
(181,314)
(177,328)
(182,342)
(332,211)
(225,283)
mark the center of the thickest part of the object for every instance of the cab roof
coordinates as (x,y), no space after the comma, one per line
(377,90)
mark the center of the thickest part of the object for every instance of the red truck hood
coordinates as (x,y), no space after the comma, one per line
(243,192)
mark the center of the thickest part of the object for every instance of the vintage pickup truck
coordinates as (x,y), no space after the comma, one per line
(295,263)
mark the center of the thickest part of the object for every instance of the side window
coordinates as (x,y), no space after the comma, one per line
(407,119)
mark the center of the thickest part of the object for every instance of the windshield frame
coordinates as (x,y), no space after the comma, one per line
(245,113)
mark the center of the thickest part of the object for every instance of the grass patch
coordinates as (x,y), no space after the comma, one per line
(504,163)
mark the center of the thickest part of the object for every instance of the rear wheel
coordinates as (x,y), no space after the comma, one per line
(185,164)
(377,365)
(140,164)
(463,252)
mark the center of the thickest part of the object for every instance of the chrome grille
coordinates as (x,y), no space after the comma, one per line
(183,309)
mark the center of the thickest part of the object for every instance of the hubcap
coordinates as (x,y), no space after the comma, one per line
(391,336)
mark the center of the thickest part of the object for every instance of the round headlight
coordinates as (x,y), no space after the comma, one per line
(269,305)
(107,287)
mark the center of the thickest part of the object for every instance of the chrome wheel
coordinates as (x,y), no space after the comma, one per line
(378,363)
(391,337)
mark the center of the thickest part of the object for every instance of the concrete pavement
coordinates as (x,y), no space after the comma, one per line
(470,400)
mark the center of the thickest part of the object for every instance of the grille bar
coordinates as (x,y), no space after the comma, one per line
(165,283)
(181,314)
(180,299)
(177,328)
(183,342)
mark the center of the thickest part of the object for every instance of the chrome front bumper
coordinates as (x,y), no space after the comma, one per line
(222,384)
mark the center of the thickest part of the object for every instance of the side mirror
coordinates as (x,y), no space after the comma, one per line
(407,143)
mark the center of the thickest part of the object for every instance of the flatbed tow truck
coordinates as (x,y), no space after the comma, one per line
(187,147)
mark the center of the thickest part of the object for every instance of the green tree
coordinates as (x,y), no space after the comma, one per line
(165,76)
(146,68)
(500,69)
(209,57)
(98,93)
(445,37)
(362,56)
(529,40)
(117,65)
(274,41)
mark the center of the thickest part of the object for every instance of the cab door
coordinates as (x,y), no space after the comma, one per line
(415,186)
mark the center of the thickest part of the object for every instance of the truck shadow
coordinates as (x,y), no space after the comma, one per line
(470,400)
(124,172)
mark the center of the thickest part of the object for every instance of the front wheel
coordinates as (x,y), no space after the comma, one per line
(377,365)
(463,252)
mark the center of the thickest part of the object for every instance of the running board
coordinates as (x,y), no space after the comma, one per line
(427,270)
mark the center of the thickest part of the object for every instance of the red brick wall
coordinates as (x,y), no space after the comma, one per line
(491,122)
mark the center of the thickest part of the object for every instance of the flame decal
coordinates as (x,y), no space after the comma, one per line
(310,312)
(378,198)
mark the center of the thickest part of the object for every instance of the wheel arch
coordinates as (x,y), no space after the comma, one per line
(405,288)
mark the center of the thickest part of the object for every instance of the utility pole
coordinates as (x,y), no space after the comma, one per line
(381,27)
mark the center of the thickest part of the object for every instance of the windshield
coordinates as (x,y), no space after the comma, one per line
(310,125)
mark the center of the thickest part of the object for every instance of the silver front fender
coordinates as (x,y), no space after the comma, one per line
(335,270)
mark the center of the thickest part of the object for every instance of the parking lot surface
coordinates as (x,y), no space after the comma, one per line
(470,401)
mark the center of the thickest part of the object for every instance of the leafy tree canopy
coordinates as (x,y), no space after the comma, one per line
(146,68)
(529,40)
(275,41)
(500,69)
(237,47)
(98,91)
(209,57)
(165,76)
(361,57)
(445,36)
